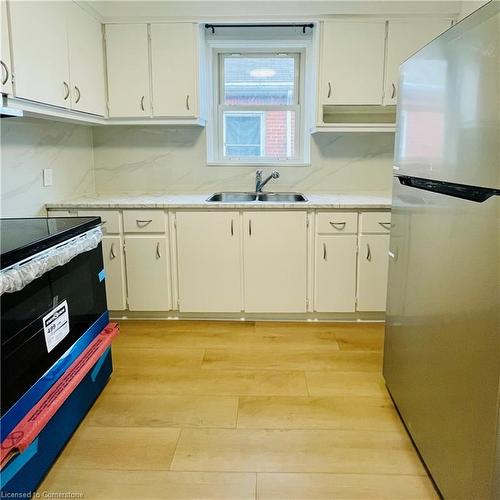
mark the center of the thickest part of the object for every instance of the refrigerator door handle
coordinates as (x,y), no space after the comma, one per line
(477,194)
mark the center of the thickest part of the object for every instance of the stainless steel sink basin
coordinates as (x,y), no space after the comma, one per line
(283,197)
(234,197)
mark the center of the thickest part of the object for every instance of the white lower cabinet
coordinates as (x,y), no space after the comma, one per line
(114,267)
(275,261)
(148,272)
(335,273)
(372,271)
(209,261)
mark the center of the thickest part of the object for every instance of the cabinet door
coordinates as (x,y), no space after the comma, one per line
(209,261)
(128,70)
(5,62)
(352,62)
(174,54)
(86,62)
(404,39)
(114,267)
(373,261)
(40,51)
(275,261)
(335,273)
(148,276)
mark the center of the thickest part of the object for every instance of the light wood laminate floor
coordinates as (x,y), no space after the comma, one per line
(227,410)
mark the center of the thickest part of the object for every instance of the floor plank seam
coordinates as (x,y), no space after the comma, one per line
(175,449)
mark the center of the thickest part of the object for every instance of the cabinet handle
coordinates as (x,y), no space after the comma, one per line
(187,102)
(4,67)
(324,251)
(158,254)
(232,227)
(142,103)
(250,227)
(112,254)
(368,253)
(385,225)
(66,88)
(329,90)
(338,225)
(143,223)
(393,91)
(79,95)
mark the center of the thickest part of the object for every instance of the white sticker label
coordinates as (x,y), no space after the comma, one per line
(56,325)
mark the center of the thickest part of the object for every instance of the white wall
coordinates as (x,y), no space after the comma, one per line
(468,7)
(30,145)
(162,159)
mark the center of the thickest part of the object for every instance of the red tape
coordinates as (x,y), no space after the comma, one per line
(33,423)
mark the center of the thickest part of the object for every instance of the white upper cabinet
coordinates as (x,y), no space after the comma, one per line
(209,261)
(5,61)
(352,62)
(275,261)
(174,66)
(128,70)
(40,51)
(86,62)
(57,55)
(405,37)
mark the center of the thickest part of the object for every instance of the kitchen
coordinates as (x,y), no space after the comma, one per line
(246,180)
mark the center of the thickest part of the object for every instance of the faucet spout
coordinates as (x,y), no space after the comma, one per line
(259,183)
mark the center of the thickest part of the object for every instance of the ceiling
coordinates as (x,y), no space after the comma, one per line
(148,10)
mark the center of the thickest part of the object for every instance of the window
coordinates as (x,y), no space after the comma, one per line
(258,108)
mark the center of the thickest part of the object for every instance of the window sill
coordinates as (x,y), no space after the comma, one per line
(257,164)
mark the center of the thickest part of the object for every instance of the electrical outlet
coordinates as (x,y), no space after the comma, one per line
(47,177)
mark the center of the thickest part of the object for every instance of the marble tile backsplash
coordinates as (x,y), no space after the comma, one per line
(159,159)
(30,145)
(149,159)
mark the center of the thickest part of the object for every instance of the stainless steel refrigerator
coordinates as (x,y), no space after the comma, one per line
(442,345)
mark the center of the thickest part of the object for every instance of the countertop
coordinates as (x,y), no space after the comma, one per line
(179,201)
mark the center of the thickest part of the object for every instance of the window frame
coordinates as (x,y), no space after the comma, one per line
(303,50)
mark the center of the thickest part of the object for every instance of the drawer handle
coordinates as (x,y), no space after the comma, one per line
(368,253)
(324,251)
(187,102)
(142,103)
(143,222)
(329,90)
(385,225)
(112,254)
(338,225)
(393,91)
(158,254)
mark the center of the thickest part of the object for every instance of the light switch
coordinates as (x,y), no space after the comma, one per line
(47,177)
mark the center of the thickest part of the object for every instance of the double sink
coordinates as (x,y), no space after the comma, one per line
(235,197)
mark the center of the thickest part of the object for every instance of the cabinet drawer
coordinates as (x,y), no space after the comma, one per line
(337,223)
(144,221)
(375,222)
(110,219)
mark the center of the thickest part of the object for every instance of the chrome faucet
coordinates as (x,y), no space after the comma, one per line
(259,183)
